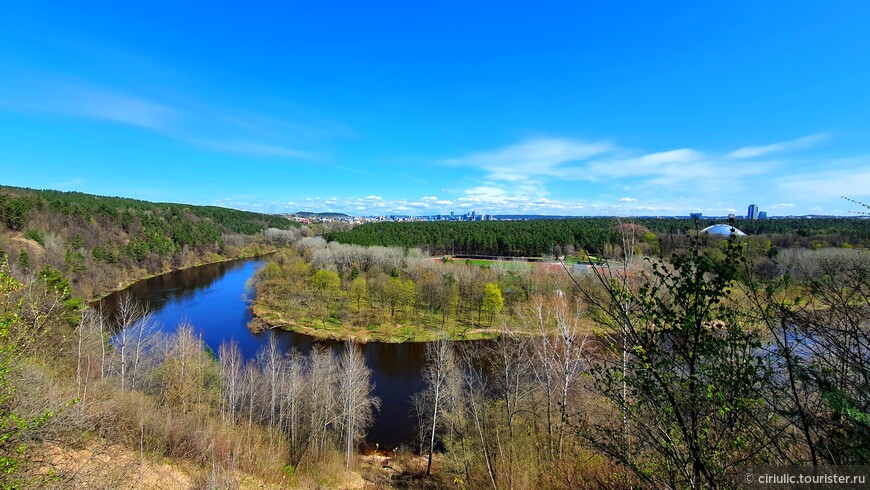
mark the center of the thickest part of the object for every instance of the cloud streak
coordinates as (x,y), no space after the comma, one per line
(829,184)
(552,176)
(550,157)
(70,98)
(520,174)
(781,147)
(120,108)
(207,128)
(73,183)
(251,148)
(484,201)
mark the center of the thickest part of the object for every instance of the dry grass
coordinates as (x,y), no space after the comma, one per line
(105,465)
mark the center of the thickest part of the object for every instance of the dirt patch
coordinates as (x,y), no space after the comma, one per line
(398,471)
(108,466)
(32,247)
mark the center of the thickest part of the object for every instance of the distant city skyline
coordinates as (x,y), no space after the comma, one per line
(633,109)
(752,212)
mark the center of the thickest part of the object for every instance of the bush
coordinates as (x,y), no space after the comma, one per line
(35,236)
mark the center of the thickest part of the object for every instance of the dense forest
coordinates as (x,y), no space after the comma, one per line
(101,242)
(541,237)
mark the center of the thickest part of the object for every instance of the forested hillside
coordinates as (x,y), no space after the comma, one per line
(102,242)
(537,237)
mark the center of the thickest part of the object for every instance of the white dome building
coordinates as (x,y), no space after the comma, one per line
(722,230)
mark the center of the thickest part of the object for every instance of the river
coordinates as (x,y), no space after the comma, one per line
(213,298)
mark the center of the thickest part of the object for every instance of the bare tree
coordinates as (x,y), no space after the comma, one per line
(89,340)
(475,387)
(440,363)
(294,403)
(511,362)
(135,342)
(559,362)
(420,408)
(356,400)
(270,361)
(322,376)
(232,369)
(190,376)
(251,378)
(567,359)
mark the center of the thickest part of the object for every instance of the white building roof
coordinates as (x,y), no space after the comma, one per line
(722,230)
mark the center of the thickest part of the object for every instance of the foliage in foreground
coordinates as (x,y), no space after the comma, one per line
(702,368)
(74,390)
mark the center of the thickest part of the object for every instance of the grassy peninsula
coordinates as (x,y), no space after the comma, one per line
(391,294)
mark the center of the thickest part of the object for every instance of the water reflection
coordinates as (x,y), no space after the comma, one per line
(212,298)
(178,285)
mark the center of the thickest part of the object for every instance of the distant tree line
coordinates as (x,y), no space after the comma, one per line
(542,237)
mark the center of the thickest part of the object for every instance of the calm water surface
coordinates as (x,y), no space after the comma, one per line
(213,298)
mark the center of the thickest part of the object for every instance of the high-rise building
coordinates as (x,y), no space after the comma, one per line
(695,215)
(752,213)
(762,215)
(473,216)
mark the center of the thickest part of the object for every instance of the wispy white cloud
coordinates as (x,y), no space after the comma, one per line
(551,157)
(781,147)
(76,99)
(519,175)
(255,149)
(483,201)
(73,183)
(829,184)
(483,193)
(190,122)
(120,108)
(525,170)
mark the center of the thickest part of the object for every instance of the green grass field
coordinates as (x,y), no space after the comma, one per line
(510,265)
(572,259)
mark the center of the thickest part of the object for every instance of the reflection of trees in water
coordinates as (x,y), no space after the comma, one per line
(291,340)
(159,290)
(396,367)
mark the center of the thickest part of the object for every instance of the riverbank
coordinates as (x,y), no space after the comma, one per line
(217,259)
(266,318)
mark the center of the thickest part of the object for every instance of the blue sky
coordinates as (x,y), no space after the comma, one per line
(580,108)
